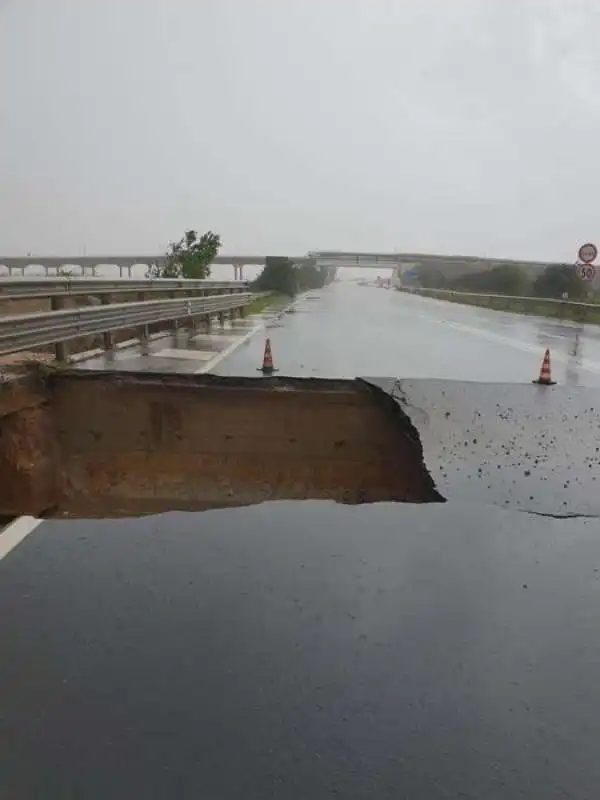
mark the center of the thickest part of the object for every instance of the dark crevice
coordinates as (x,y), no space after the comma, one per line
(573,515)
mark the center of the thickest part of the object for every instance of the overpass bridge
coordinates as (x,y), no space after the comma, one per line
(399,262)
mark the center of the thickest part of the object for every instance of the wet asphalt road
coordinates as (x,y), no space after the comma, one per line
(308,650)
(352,330)
(302,650)
(518,446)
(347,330)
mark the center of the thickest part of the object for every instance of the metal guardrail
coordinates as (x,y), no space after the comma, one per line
(29,331)
(22,288)
(533,301)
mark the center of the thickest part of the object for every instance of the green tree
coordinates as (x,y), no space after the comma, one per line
(430,277)
(190,257)
(278,275)
(308,277)
(557,279)
(507,279)
(282,276)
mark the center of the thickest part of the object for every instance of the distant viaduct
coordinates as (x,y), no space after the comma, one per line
(449,265)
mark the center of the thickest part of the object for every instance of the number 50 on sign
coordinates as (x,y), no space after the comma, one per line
(587,272)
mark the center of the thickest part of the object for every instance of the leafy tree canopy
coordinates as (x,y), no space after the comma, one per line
(507,279)
(190,257)
(557,279)
(431,278)
(281,276)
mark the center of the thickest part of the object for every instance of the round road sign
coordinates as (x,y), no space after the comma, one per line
(588,252)
(587,272)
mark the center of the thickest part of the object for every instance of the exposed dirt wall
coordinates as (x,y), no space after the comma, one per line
(29,456)
(134,443)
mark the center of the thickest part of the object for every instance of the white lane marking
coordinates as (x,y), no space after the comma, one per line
(15,532)
(590,366)
(227,351)
(267,315)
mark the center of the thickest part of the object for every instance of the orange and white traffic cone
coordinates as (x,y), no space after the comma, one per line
(267,365)
(545,378)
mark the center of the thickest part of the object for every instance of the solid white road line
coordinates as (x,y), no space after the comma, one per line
(263,324)
(525,347)
(15,532)
(227,351)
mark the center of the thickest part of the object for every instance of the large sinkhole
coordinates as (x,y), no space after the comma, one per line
(120,443)
(86,443)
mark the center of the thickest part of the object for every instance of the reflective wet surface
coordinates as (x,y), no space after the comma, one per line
(308,650)
(347,330)
(190,350)
(303,650)
(354,330)
(515,445)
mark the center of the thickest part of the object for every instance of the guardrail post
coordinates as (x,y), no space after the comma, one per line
(145,330)
(61,349)
(108,336)
(193,323)
(175,322)
(190,321)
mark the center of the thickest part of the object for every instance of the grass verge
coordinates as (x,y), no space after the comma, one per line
(265,300)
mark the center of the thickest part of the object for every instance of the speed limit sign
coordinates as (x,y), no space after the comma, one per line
(587,272)
(588,252)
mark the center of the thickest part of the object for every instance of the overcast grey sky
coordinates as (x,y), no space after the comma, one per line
(453,126)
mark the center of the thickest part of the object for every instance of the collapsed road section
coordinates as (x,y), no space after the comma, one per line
(80,443)
(83,443)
